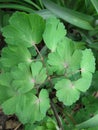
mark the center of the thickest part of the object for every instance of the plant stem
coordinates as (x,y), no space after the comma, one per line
(71,118)
(66,114)
(52,103)
(18,126)
(38,52)
(56,115)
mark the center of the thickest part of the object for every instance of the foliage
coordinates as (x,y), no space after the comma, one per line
(48,62)
(27,80)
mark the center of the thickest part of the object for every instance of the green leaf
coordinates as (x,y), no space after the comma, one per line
(95,81)
(24,29)
(95,4)
(13,55)
(66,92)
(79,45)
(75,18)
(38,72)
(6,90)
(44,101)
(34,127)
(45,13)
(61,58)
(4,94)
(37,106)
(89,123)
(65,59)
(83,83)
(22,78)
(87,62)
(9,106)
(54,33)
(90,107)
(28,107)
(51,124)
(33,51)
(75,62)
(5,79)
(16,6)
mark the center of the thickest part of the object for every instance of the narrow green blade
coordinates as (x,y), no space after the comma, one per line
(78,19)
(89,123)
(95,4)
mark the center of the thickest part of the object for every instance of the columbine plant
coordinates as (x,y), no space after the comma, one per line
(40,67)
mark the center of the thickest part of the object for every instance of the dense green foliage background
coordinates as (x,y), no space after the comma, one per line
(34,75)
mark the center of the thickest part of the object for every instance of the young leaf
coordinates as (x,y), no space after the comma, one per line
(44,101)
(51,124)
(87,62)
(13,55)
(61,58)
(66,92)
(38,72)
(24,29)
(54,33)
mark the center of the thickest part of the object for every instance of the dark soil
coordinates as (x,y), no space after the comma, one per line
(9,122)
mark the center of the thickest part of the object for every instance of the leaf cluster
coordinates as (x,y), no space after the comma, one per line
(28,81)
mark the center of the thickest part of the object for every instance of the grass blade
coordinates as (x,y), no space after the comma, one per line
(89,123)
(78,19)
(95,4)
(16,6)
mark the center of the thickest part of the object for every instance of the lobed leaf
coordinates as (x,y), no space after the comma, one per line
(38,72)
(9,106)
(5,87)
(66,92)
(4,93)
(5,79)
(22,78)
(83,83)
(54,33)
(87,62)
(24,29)
(64,58)
(28,107)
(75,62)
(12,55)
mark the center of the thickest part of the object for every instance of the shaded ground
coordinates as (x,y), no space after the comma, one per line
(9,122)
